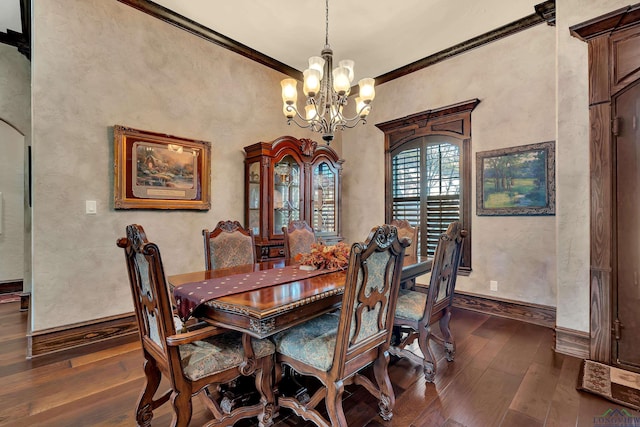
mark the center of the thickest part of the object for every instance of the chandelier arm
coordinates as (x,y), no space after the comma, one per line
(307,125)
(357,117)
(295,110)
(351,125)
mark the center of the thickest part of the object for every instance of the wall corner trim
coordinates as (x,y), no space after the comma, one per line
(572,342)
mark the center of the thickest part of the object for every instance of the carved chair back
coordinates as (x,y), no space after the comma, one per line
(193,362)
(334,347)
(407,231)
(368,304)
(228,245)
(298,238)
(416,311)
(150,296)
(445,269)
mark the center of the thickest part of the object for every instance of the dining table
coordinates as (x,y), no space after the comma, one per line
(265,298)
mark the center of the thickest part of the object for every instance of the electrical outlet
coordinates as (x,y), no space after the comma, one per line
(493,285)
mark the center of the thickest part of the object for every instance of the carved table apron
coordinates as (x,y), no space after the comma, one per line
(265,311)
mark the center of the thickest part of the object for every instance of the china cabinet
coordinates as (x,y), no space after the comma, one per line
(289,179)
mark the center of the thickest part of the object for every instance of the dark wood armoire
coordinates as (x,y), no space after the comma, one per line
(614,115)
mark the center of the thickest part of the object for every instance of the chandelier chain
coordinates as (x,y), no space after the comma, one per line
(326,37)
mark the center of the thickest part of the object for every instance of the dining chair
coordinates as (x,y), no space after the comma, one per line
(406,230)
(228,245)
(417,311)
(195,362)
(298,238)
(336,346)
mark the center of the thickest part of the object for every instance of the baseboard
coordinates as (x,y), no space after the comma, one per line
(71,336)
(572,342)
(538,314)
(11,286)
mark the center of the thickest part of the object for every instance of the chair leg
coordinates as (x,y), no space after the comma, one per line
(429,363)
(387,396)
(181,401)
(333,401)
(144,411)
(264,386)
(449,343)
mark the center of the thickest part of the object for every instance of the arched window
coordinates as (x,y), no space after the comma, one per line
(428,179)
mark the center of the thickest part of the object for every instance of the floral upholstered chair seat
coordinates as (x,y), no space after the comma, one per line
(312,342)
(228,245)
(411,304)
(300,242)
(298,238)
(219,353)
(231,249)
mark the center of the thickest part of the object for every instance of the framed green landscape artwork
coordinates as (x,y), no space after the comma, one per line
(516,180)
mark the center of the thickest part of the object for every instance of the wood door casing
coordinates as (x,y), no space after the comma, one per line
(614,68)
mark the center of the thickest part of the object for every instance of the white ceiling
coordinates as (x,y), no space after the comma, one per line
(378,35)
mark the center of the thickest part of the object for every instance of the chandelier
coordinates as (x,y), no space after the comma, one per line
(327,92)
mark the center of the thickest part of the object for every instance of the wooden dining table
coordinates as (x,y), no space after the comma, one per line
(268,310)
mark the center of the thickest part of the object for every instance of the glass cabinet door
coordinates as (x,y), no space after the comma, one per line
(254,198)
(286,193)
(324,199)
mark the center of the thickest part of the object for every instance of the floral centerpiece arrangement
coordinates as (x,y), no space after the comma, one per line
(334,257)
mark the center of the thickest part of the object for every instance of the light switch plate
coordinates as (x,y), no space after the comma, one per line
(91,207)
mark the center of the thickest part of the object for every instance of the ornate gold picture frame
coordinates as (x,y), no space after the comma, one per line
(158,171)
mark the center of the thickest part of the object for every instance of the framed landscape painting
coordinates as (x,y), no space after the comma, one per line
(158,171)
(517,180)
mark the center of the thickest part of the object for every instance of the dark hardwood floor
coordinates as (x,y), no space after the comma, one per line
(505,374)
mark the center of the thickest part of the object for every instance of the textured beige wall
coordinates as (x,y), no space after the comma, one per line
(573,161)
(514,80)
(11,204)
(99,63)
(14,88)
(15,106)
(102,63)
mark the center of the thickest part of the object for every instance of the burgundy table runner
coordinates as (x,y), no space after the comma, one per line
(190,296)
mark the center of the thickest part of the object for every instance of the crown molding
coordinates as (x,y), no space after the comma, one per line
(547,9)
(544,12)
(210,35)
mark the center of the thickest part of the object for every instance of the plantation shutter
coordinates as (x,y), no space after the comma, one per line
(426,181)
(442,190)
(406,187)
